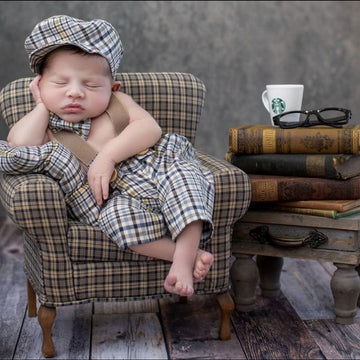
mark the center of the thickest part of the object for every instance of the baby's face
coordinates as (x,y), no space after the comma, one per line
(75,86)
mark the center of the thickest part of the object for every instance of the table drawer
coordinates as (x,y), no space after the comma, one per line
(299,236)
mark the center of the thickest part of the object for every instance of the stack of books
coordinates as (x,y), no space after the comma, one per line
(312,170)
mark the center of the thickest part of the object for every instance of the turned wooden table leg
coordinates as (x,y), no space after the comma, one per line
(244,276)
(270,271)
(345,286)
(46,319)
(227,306)
(31,300)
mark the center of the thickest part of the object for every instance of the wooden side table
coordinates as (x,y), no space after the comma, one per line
(272,235)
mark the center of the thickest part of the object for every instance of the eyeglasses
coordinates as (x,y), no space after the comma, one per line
(335,117)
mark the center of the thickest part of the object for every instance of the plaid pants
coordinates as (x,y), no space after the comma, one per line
(157,193)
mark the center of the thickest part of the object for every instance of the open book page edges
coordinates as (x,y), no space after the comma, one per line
(333,214)
(337,205)
(266,139)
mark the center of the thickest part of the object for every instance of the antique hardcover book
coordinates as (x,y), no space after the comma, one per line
(333,205)
(266,139)
(331,166)
(333,214)
(291,188)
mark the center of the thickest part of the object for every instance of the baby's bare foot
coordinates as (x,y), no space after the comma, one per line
(179,282)
(203,263)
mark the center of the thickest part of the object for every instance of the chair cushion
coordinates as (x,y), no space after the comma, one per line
(89,243)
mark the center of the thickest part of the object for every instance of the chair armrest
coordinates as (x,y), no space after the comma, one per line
(36,204)
(232,189)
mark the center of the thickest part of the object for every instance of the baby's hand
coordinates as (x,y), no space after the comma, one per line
(99,175)
(35,90)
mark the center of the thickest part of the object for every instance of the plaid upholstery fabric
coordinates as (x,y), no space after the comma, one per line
(68,262)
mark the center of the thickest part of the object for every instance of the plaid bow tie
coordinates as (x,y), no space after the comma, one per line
(81,128)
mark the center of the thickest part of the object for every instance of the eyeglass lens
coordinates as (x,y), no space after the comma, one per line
(332,114)
(327,116)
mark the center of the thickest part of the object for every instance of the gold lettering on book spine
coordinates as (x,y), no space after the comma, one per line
(233,140)
(315,165)
(269,140)
(264,190)
(356,140)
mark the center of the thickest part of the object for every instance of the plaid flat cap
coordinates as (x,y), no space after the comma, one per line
(95,37)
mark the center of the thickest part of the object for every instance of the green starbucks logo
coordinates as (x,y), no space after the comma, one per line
(278,105)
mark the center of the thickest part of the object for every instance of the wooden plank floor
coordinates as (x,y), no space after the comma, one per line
(299,324)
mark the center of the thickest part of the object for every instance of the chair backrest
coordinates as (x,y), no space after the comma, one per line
(174,99)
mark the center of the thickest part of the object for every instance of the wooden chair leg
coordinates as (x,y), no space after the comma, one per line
(31,300)
(46,319)
(227,306)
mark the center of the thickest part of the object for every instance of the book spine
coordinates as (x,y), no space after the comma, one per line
(252,139)
(284,188)
(313,204)
(306,165)
(333,214)
(347,213)
(315,212)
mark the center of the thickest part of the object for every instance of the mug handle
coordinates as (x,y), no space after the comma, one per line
(265,100)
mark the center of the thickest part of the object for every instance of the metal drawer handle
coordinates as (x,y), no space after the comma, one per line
(313,240)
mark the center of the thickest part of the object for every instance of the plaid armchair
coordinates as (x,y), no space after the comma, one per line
(67,262)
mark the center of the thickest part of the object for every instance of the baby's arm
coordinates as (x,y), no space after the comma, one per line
(32,128)
(141,133)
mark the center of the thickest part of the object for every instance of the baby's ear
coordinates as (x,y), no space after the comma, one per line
(116,86)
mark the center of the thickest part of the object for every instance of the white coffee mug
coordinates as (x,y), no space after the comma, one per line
(282,98)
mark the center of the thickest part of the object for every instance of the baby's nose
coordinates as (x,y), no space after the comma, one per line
(75,91)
